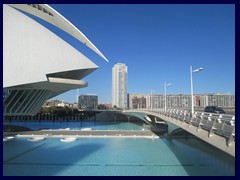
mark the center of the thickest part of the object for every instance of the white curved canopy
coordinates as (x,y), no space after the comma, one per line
(50,15)
(38,64)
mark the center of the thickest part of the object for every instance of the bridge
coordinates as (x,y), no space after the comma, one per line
(215,129)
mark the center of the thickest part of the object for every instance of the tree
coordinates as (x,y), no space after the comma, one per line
(102,107)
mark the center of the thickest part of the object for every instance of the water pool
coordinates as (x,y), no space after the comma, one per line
(79,125)
(115,157)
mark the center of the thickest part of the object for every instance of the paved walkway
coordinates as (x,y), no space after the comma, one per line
(88,133)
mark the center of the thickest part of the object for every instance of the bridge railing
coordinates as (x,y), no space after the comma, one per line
(215,124)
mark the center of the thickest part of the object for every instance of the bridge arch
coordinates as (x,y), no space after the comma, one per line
(156,124)
(205,133)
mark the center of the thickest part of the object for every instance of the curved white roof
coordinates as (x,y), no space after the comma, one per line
(37,64)
(50,15)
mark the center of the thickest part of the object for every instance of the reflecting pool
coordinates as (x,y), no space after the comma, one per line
(115,156)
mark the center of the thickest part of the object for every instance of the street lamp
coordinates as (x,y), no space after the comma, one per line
(165,92)
(192,71)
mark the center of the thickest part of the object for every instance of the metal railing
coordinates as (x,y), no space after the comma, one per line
(216,124)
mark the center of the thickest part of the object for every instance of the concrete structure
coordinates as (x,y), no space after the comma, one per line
(209,128)
(87,133)
(37,64)
(119,85)
(87,101)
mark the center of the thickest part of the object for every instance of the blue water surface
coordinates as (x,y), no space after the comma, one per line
(115,156)
(78,125)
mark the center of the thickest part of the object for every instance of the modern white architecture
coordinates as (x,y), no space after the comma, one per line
(37,64)
(119,85)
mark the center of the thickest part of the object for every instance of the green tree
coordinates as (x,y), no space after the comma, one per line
(102,107)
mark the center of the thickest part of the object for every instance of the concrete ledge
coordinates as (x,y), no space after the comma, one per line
(89,133)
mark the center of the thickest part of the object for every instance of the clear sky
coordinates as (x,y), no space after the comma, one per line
(158,43)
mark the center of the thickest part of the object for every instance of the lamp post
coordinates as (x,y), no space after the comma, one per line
(192,71)
(165,93)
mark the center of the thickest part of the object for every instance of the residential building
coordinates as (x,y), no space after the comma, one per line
(137,101)
(182,100)
(87,101)
(119,85)
(222,100)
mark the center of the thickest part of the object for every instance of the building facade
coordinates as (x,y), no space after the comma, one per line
(137,101)
(119,85)
(182,100)
(87,102)
(222,100)
(59,103)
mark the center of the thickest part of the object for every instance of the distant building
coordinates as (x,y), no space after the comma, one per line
(61,104)
(119,85)
(222,100)
(87,102)
(58,103)
(75,106)
(137,101)
(107,105)
(51,103)
(181,100)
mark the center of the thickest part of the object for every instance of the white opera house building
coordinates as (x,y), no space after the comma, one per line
(37,64)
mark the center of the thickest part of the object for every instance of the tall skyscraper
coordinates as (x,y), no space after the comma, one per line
(119,85)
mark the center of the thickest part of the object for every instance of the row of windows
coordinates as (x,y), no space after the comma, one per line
(37,6)
(183,101)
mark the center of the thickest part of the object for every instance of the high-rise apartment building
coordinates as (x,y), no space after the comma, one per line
(119,85)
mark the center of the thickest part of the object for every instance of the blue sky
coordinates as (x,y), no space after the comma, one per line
(158,43)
